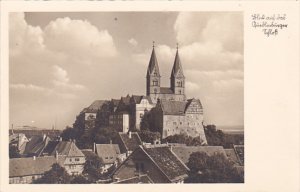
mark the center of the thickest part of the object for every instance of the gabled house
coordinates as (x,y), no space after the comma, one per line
(74,158)
(159,163)
(109,154)
(26,170)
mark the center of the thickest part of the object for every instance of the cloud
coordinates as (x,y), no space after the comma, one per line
(23,38)
(211,51)
(225,28)
(78,38)
(32,87)
(60,74)
(190,86)
(133,42)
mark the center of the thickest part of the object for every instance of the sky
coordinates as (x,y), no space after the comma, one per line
(59,63)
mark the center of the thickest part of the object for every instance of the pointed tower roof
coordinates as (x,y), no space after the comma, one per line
(177,68)
(153,64)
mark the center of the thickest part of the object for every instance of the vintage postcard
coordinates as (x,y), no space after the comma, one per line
(107,95)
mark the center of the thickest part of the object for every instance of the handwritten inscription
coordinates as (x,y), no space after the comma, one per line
(269,24)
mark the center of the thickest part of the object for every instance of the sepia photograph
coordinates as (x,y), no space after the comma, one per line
(126,97)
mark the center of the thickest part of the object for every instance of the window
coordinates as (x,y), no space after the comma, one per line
(141,115)
(76,159)
(155,91)
(70,160)
(155,83)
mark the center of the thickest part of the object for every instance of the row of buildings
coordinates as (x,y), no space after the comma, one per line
(172,112)
(132,160)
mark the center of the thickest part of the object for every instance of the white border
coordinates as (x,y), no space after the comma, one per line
(271,117)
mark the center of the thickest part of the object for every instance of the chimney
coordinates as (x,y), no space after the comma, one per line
(110,141)
(171,148)
(60,138)
(94,147)
(12,129)
(74,141)
(34,158)
(129,134)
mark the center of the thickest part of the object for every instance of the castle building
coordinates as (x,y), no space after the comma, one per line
(173,113)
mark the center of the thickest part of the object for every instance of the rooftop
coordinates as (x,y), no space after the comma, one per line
(167,161)
(108,152)
(95,106)
(130,142)
(184,152)
(30,166)
(67,148)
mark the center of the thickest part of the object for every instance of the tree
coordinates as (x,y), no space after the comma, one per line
(14,152)
(148,136)
(104,135)
(79,180)
(184,139)
(218,138)
(69,133)
(56,175)
(212,169)
(91,168)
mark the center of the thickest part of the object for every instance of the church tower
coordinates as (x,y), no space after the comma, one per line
(153,78)
(178,79)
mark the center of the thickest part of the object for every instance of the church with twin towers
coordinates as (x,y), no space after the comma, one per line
(173,112)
